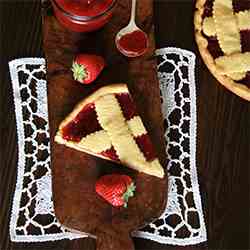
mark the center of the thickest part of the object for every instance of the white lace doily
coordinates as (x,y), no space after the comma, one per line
(32,217)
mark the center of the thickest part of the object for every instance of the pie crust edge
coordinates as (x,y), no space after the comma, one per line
(239,89)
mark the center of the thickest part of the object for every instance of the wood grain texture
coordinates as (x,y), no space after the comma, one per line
(223,132)
(77,206)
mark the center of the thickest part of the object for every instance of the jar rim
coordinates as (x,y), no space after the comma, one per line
(83,18)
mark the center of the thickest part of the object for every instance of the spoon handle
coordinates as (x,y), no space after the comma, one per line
(133,13)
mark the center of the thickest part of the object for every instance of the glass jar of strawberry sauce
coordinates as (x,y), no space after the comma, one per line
(83,15)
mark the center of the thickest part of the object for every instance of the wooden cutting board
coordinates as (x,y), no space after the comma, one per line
(74,173)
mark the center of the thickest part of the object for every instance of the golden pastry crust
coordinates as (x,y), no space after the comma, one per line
(237,88)
(59,139)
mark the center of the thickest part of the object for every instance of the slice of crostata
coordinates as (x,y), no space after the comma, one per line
(106,124)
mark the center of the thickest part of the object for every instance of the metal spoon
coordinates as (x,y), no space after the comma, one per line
(131,27)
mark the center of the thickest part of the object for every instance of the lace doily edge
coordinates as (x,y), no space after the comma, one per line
(45,238)
(172,241)
(20,137)
(193,140)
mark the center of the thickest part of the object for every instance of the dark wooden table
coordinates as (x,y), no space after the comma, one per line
(223,151)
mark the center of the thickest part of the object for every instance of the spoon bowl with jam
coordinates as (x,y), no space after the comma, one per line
(131,41)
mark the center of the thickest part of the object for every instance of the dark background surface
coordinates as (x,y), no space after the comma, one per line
(223,150)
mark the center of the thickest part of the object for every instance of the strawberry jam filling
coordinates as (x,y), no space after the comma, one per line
(111,154)
(134,42)
(245,40)
(214,47)
(83,124)
(146,146)
(127,105)
(245,46)
(241,5)
(246,80)
(208,8)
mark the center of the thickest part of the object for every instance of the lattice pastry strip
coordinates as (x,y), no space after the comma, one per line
(98,141)
(242,17)
(208,26)
(136,126)
(227,31)
(234,63)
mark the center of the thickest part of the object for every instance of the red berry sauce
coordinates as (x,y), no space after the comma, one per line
(127,105)
(83,124)
(245,40)
(134,42)
(214,47)
(111,154)
(241,5)
(146,146)
(208,8)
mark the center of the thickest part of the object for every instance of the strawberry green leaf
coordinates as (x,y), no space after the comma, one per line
(129,193)
(79,72)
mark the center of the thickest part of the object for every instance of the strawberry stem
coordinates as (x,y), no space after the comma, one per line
(79,72)
(129,193)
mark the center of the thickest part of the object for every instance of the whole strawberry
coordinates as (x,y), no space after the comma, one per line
(115,189)
(86,68)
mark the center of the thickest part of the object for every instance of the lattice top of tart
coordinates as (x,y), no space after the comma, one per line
(222,29)
(106,124)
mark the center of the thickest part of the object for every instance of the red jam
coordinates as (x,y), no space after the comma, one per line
(241,5)
(111,154)
(246,80)
(214,47)
(127,105)
(83,124)
(83,15)
(245,40)
(146,146)
(208,8)
(135,42)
